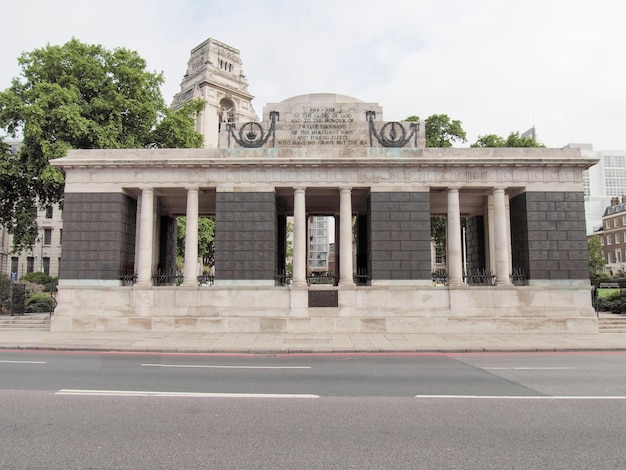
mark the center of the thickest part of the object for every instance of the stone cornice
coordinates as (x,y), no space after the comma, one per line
(328,158)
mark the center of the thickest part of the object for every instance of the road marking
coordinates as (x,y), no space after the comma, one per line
(23,362)
(192,366)
(529,368)
(143,393)
(522,397)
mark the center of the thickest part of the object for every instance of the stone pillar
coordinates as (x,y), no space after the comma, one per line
(501,237)
(453,239)
(345,238)
(191,239)
(146,232)
(299,237)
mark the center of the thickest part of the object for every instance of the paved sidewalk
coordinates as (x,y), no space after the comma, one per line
(267,343)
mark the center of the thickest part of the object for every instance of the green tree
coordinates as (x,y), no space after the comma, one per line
(596,261)
(513,140)
(78,96)
(441,131)
(206,234)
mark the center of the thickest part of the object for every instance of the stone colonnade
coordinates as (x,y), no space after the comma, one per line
(454,254)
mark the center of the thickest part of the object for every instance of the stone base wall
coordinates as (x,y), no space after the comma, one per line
(360,310)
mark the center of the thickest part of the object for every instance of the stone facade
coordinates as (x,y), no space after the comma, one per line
(215,75)
(331,155)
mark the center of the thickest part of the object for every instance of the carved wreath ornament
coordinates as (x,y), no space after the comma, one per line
(392,134)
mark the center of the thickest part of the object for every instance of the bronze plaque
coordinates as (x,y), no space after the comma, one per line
(323,298)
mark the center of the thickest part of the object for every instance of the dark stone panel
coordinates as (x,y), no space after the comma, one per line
(399,217)
(246,236)
(99,235)
(548,227)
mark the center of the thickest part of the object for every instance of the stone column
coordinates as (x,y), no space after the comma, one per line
(345,238)
(191,239)
(146,232)
(501,237)
(299,237)
(453,239)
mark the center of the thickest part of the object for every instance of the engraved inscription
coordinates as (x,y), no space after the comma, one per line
(322,126)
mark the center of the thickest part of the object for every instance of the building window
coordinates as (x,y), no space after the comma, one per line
(47,236)
(15,261)
(617,238)
(607,224)
(602,241)
(61,236)
(49,212)
(618,256)
(30,264)
(608,239)
(608,258)
(46,265)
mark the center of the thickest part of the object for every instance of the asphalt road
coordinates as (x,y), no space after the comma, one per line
(483,411)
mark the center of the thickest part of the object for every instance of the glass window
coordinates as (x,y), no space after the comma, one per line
(47,236)
(608,240)
(608,258)
(30,264)
(607,224)
(615,224)
(46,265)
(14,266)
(49,212)
(617,238)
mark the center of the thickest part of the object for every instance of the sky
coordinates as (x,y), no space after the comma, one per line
(498,66)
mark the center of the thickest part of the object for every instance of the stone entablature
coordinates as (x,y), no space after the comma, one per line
(537,169)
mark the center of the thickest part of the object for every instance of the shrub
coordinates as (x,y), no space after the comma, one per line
(5,293)
(614,303)
(39,303)
(37,277)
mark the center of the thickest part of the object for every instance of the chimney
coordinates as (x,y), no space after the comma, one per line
(614,201)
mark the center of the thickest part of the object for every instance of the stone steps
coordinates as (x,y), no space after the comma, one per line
(612,324)
(25,323)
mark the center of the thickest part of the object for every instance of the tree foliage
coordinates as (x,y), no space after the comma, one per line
(206,234)
(78,96)
(596,260)
(441,131)
(513,140)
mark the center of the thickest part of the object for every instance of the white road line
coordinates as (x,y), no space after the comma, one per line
(143,393)
(529,368)
(520,397)
(192,366)
(23,362)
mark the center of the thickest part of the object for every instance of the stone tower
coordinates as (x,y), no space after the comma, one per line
(215,74)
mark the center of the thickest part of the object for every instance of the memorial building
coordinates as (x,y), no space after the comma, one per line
(515,253)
